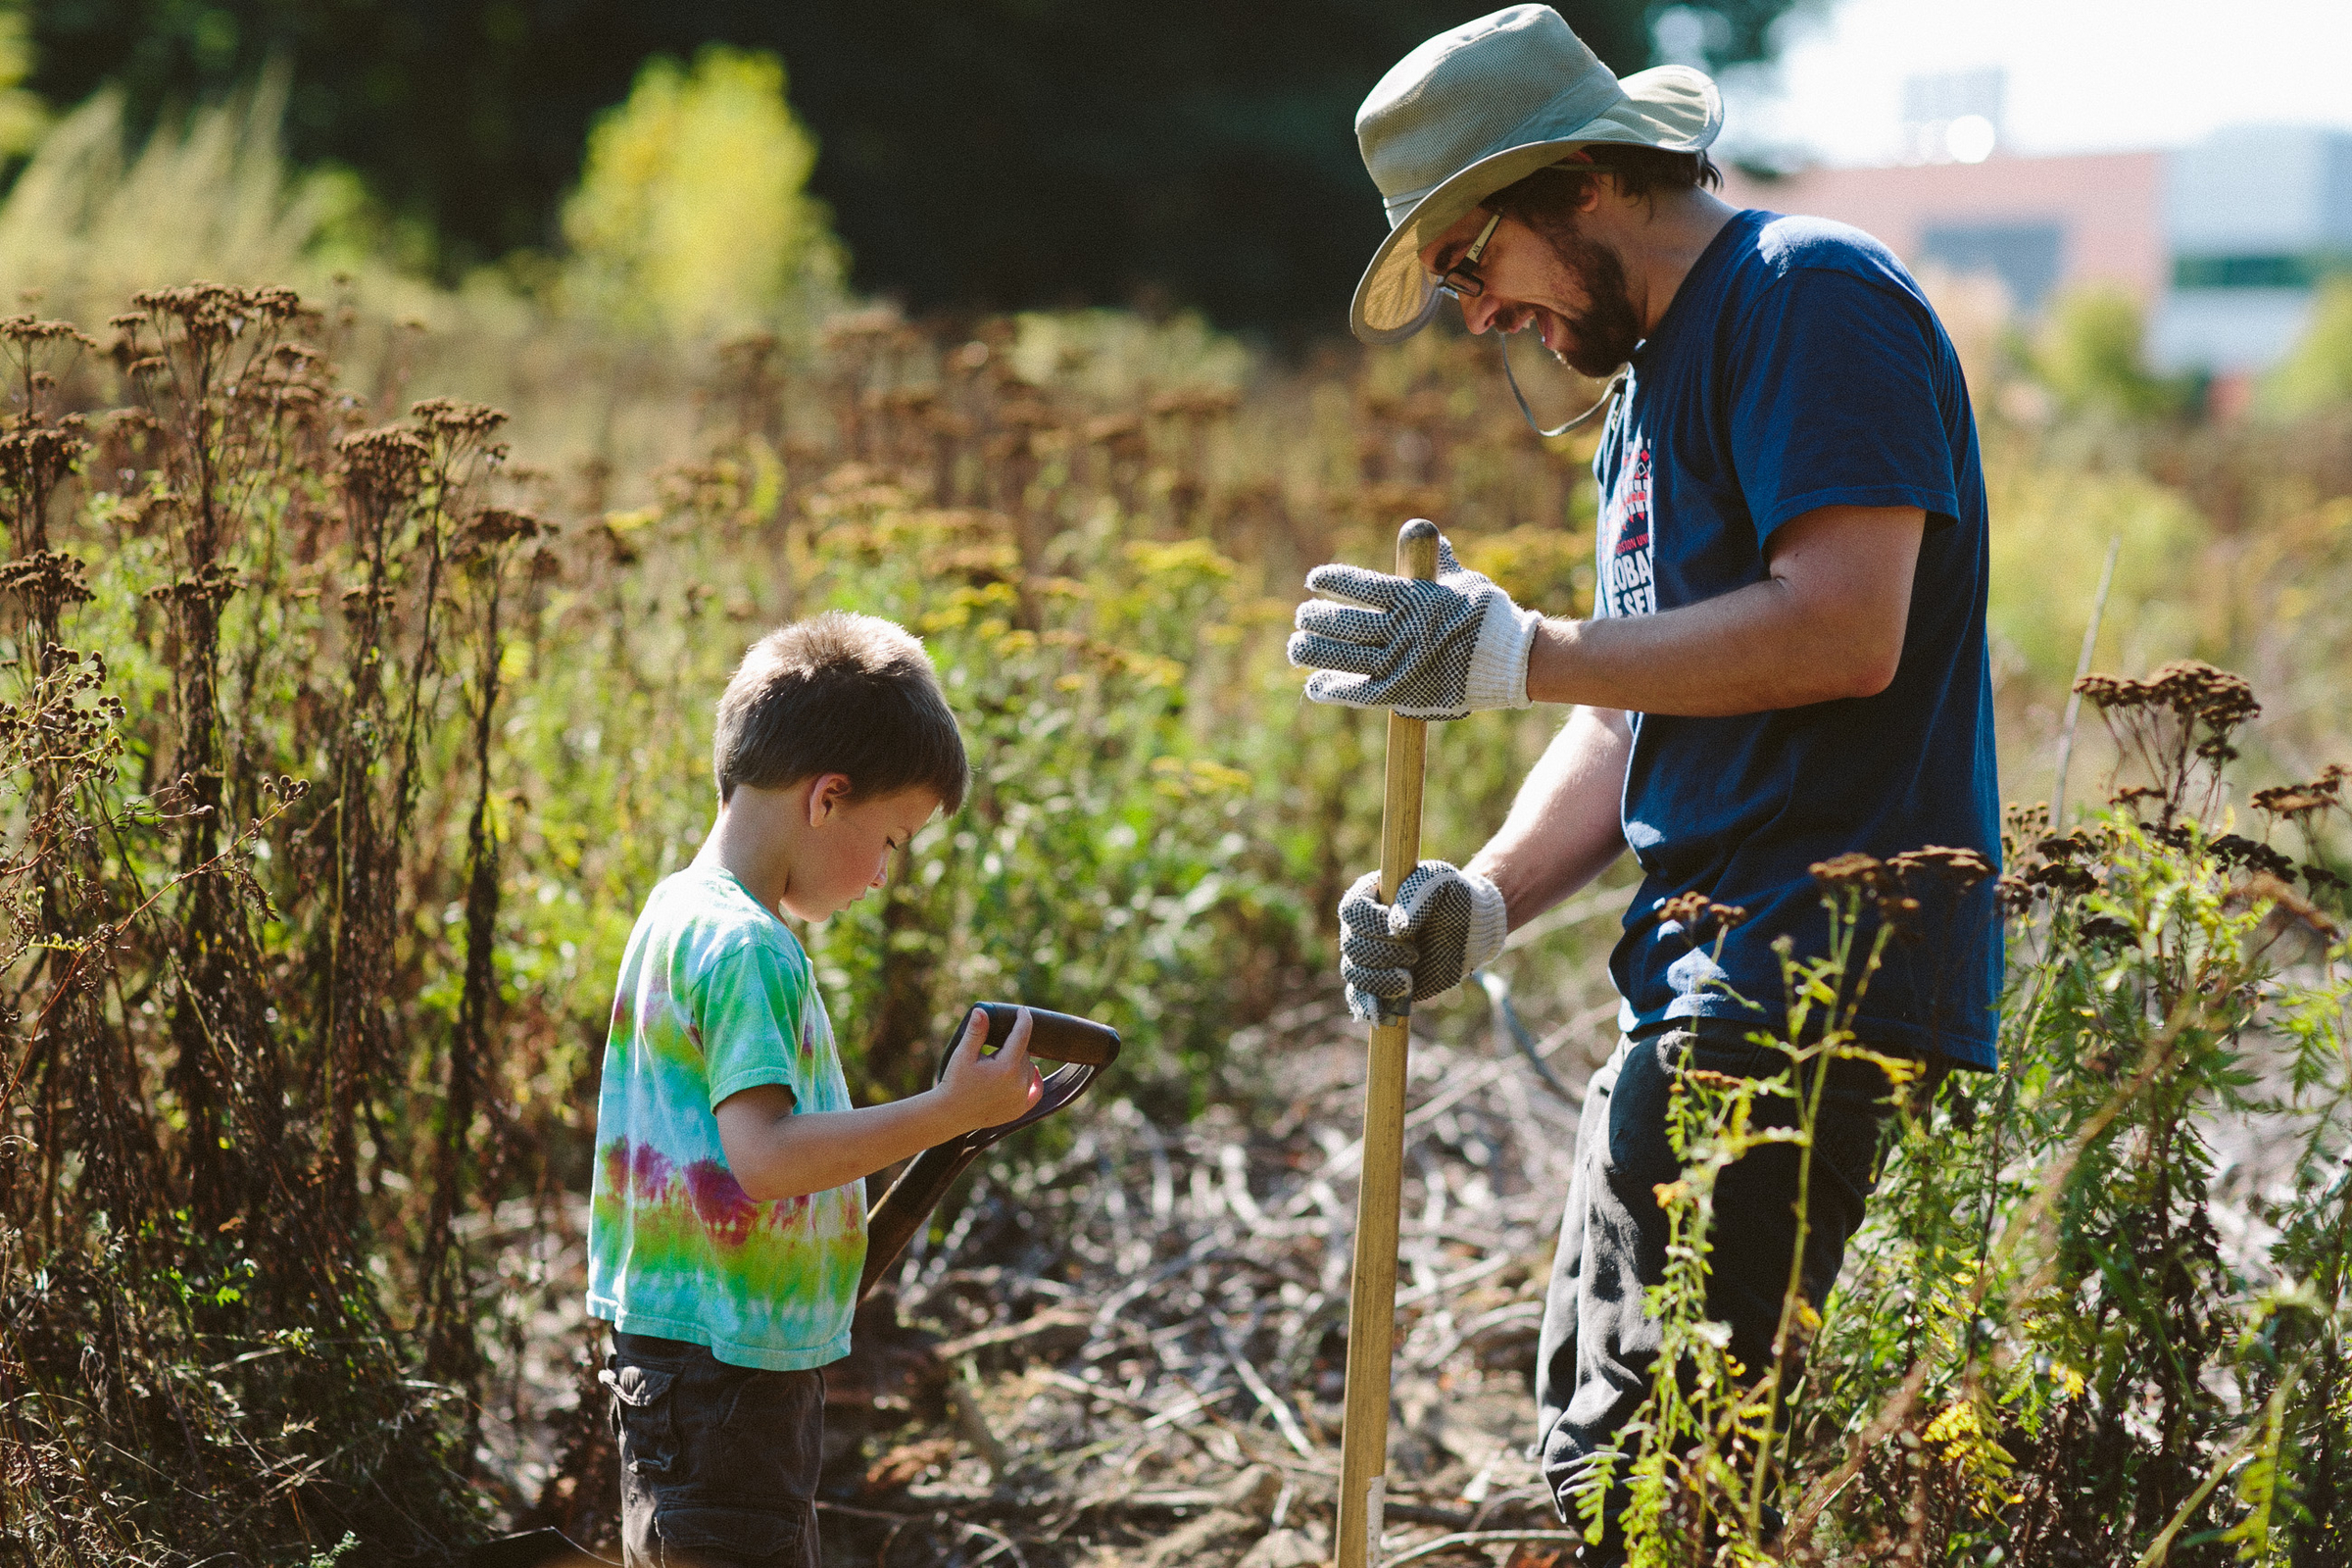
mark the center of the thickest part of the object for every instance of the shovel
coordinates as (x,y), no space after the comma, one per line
(1083,1047)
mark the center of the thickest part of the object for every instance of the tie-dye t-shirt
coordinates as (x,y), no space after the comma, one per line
(716,997)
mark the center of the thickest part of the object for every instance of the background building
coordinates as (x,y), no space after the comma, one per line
(2222,242)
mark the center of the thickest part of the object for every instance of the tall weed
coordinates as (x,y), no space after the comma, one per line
(2098,1313)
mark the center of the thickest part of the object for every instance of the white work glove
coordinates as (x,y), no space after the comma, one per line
(1443,924)
(1435,649)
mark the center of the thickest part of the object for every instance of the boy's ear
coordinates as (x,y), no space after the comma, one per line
(826,793)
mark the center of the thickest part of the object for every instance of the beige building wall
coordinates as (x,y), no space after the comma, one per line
(2109,207)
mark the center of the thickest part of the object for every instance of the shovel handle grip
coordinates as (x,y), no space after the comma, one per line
(1053,1036)
(1083,1047)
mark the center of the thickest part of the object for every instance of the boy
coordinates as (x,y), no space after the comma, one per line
(727,1227)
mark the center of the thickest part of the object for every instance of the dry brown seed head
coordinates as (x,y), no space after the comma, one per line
(2112,691)
(1964,868)
(2289,800)
(47,578)
(27,330)
(1123,434)
(384,464)
(1684,907)
(448,417)
(499,526)
(212,585)
(2016,893)
(1850,870)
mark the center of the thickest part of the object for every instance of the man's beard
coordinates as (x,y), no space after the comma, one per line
(1605,334)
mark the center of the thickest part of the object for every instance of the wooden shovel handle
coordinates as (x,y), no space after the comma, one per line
(1372,1295)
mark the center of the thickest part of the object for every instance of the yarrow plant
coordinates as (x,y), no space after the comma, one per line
(2097,1314)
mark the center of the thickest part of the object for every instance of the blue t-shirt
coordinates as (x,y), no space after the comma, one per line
(1801,367)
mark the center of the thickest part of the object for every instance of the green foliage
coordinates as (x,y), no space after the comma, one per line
(2089,356)
(2318,374)
(996,153)
(691,213)
(2051,524)
(86,224)
(22,115)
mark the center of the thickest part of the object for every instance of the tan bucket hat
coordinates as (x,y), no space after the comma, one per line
(1482,107)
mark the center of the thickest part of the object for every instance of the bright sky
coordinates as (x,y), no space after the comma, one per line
(2082,74)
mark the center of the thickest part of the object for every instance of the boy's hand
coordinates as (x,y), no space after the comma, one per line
(989,1091)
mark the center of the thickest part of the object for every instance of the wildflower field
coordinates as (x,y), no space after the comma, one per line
(347,720)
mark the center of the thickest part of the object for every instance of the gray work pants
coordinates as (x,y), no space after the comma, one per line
(1599,1347)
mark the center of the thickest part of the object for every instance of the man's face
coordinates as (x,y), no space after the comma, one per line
(1570,288)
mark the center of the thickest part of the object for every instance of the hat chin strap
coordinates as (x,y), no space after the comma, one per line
(1608,394)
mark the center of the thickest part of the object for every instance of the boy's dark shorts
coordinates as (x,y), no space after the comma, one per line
(718,1463)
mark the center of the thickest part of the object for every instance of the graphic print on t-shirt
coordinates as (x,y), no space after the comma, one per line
(1627,584)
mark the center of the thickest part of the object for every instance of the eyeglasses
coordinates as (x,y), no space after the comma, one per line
(1458,280)
(1464,284)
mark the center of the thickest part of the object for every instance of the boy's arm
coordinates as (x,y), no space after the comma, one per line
(774,1152)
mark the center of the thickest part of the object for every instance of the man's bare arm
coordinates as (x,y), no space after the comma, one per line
(1564,827)
(1827,622)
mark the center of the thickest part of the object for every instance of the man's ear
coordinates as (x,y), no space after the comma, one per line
(1590,197)
(826,793)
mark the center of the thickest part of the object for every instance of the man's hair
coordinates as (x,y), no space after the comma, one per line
(1547,200)
(843,694)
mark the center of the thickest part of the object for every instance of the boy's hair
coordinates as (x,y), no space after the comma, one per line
(845,694)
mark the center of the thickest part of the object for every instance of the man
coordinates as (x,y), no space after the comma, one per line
(1785,660)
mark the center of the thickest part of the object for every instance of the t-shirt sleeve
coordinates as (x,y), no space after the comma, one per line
(1835,402)
(752,1003)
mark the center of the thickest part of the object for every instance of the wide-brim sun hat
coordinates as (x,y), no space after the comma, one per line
(1482,107)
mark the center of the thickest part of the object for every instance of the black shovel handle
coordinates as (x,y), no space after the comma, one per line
(1083,1047)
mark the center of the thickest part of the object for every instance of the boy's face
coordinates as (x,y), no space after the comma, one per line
(845,852)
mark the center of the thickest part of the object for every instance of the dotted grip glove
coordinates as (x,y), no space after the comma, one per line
(1443,924)
(1435,649)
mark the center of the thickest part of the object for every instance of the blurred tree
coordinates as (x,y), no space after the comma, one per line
(2319,373)
(690,214)
(2089,354)
(22,115)
(975,152)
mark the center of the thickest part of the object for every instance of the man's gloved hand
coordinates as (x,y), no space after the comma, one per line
(1443,924)
(1438,649)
